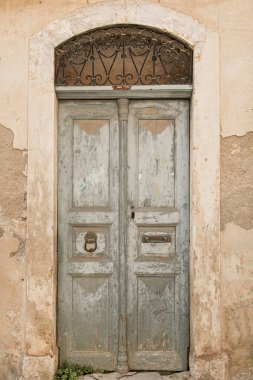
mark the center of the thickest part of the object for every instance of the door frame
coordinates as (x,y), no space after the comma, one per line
(136,92)
(205,320)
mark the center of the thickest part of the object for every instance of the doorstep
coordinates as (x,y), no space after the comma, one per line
(136,376)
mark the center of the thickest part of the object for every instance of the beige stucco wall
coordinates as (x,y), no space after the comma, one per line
(233,20)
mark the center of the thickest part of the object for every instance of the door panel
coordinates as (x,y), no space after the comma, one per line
(158,235)
(155,313)
(156,162)
(90,298)
(91,149)
(88,210)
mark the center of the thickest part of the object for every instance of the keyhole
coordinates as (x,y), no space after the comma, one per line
(132,212)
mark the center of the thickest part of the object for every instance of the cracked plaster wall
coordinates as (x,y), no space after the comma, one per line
(233,20)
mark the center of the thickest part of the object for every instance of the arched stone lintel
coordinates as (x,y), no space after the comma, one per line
(204,174)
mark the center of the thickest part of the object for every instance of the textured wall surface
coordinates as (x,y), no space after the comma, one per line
(232,19)
(12,251)
(237,181)
(237,248)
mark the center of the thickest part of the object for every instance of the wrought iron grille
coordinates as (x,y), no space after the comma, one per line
(123,55)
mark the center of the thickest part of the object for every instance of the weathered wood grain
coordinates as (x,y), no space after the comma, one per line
(88,201)
(123,175)
(158,194)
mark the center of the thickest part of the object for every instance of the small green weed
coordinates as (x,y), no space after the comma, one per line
(72,371)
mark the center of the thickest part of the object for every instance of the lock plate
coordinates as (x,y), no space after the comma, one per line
(166,238)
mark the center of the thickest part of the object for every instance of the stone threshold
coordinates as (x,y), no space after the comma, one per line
(136,376)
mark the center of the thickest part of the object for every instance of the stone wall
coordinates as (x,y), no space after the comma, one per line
(12,251)
(232,19)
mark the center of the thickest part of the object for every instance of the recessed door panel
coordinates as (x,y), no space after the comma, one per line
(90,298)
(155,313)
(91,155)
(156,243)
(156,162)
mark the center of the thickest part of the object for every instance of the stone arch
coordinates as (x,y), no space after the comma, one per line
(41,350)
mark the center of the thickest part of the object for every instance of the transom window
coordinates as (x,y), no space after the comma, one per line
(123,55)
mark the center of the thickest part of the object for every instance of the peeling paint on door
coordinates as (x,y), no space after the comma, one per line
(123,224)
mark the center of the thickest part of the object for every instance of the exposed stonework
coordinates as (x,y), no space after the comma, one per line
(137,376)
(12,252)
(13,181)
(236,289)
(237,180)
(38,368)
(210,367)
(178,376)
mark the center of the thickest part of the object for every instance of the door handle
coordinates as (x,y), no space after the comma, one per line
(90,239)
(156,238)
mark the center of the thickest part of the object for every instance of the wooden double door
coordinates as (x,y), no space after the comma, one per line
(123,201)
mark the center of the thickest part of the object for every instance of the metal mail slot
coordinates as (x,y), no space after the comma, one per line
(156,238)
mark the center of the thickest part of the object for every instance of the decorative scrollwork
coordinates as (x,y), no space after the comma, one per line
(123,55)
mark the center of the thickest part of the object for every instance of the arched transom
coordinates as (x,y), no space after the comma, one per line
(123,55)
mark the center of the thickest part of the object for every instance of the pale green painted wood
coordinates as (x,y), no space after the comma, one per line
(88,201)
(124,186)
(158,192)
(136,92)
(123,108)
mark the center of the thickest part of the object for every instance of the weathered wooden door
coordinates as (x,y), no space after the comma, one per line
(158,235)
(123,233)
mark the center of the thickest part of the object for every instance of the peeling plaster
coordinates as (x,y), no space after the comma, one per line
(13,181)
(12,251)
(12,306)
(1,232)
(21,247)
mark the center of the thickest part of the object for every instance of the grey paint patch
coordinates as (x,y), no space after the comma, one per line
(237,181)
(1,232)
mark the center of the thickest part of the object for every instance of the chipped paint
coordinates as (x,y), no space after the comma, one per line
(155,126)
(91,127)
